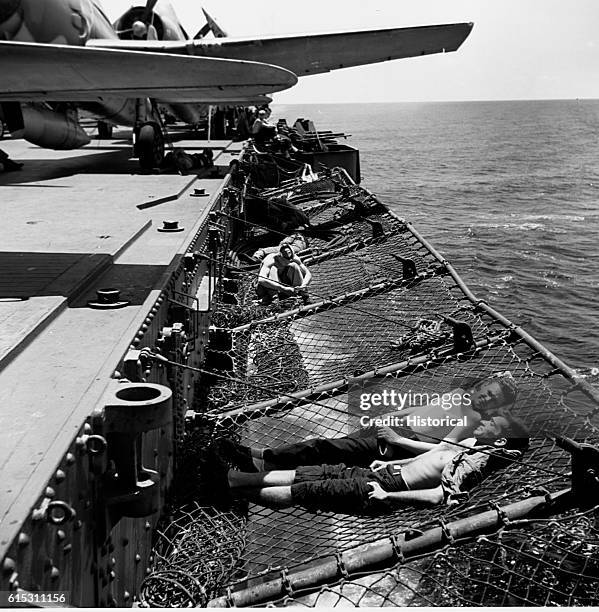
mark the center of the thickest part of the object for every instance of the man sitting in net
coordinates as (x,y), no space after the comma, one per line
(489,397)
(283,274)
(436,475)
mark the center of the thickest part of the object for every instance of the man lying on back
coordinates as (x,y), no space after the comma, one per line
(429,478)
(490,397)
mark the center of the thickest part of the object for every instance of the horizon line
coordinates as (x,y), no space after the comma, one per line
(578,99)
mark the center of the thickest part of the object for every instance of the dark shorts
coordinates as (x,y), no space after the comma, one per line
(338,488)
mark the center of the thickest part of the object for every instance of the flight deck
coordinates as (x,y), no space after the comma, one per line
(76,223)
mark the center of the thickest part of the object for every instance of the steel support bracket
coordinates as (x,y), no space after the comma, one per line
(189,262)
(172,340)
(215,240)
(377,227)
(408,267)
(463,339)
(190,307)
(132,366)
(232,197)
(129,411)
(585,471)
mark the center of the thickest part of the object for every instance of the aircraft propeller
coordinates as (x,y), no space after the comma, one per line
(210,26)
(149,12)
(142,26)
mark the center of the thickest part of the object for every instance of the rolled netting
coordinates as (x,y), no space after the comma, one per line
(542,562)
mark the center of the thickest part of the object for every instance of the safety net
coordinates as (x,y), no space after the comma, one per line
(384,307)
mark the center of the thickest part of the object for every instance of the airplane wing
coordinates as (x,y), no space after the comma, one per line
(37,72)
(317,53)
(228,101)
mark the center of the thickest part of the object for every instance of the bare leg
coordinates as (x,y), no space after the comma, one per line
(270,497)
(294,275)
(266,294)
(274,274)
(261,479)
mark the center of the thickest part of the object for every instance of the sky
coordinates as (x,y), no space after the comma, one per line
(518,49)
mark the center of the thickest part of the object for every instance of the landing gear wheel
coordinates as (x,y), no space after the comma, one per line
(104,130)
(150,145)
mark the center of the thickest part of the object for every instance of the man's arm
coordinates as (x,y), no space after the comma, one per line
(457,434)
(429,497)
(307,275)
(461,432)
(413,446)
(377,464)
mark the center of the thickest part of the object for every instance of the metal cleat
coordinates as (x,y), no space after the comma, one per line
(170,227)
(463,340)
(409,267)
(108,299)
(377,227)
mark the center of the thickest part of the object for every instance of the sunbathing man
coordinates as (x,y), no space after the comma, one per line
(427,479)
(283,273)
(488,398)
(296,241)
(262,129)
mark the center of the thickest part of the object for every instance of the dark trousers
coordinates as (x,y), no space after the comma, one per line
(358,450)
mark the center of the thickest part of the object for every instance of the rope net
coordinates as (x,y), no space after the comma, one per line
(282,373)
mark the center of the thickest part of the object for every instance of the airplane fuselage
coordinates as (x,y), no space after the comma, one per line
(67,22)
(74,22)
(70,22)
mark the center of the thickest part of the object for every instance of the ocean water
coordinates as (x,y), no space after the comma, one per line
(508,191)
